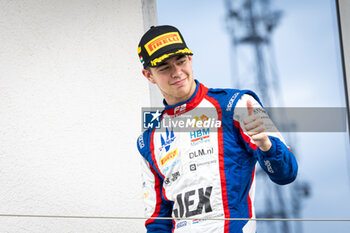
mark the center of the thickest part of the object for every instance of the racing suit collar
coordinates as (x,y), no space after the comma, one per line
(191,103)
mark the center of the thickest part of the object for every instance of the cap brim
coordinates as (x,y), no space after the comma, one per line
(176,52)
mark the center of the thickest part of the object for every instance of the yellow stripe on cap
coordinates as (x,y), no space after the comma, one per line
(138,50)
(154,62)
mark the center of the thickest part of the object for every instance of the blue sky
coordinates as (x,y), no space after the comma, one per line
(308,63)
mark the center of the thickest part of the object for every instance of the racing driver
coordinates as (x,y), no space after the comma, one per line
(203,171)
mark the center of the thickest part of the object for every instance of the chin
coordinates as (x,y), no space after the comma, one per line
(184,90)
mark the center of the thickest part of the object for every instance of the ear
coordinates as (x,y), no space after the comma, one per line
(189,58)
(148,75)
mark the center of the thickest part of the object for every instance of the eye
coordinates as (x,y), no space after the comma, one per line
(182,61)
(164,68)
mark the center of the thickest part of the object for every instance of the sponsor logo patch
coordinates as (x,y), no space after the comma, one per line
(186,202)
(167,168)
(181,224)
(145,195)
(180,109)
(230,103)
(195,166)
(202,135)
(200,153)
(268,166)
(173,177)
(201,119)
(141,143)
(170,137)
(171,155)
(162,41)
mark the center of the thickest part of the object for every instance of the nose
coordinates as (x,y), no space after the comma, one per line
(176,71)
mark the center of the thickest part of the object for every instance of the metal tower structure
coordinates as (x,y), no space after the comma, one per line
(251,24)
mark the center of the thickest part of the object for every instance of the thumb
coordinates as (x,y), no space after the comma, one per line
(250,107)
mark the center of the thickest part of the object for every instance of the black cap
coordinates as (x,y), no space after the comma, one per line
(160,43)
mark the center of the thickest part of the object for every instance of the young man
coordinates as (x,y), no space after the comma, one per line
(204,172)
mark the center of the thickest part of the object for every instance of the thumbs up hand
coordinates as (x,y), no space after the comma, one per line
(254,127)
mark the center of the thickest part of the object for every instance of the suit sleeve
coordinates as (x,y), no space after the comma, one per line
(155,205)
(278,162)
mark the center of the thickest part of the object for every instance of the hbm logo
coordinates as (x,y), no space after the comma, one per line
(168,140)
(199,136)
(151,119)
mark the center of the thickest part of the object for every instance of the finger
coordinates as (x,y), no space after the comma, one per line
(250,119)
(253,125)
(250,107)
(256,131)
(259,137)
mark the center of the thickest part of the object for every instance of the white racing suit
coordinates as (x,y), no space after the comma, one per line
(206,172)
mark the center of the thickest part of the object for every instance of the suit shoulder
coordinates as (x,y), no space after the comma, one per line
(222,91)
(143,141)
(228,97)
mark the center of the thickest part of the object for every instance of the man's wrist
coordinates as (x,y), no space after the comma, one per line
(267,145)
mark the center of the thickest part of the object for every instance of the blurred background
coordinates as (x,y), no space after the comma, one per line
(288,52)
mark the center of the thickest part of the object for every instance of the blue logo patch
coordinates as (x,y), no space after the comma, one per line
(181,224)
(168,140)
(141,143)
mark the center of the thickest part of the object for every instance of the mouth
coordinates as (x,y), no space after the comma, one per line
(180,82)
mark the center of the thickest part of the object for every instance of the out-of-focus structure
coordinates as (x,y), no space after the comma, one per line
(343,9)
(251,24)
